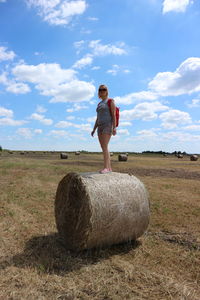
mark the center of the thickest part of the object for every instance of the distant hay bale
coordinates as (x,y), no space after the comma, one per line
(126,153)
(194,157)
(180,155)
(122,157)
(10,152)
(77,153)
(94,210)
(63,156)
(111,153)
(22,153)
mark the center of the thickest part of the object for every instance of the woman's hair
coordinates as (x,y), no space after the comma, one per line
(100,87)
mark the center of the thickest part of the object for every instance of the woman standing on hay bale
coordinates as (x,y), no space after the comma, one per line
(106,124)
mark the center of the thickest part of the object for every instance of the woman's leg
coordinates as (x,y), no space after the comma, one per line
(104,140)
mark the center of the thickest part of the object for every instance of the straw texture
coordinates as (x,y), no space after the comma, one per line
(94,210)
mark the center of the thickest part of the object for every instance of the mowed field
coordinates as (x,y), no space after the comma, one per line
(162,264)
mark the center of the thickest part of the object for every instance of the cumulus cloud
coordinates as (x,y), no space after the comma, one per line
(85,61)
(6,55)
(41,118)
(25,132)
(18,88)
(4,112)
(99,49)
(38,131)
(40,109)
(52,80)
(192,128)
(116,69)
(144,111)
(76,107)
(175,5)
(172,118)
(181,136)
(195,103)
(134,97)
(6,118)
(147,133)
(80,127)
(123,132)
(185,79)
(58,12)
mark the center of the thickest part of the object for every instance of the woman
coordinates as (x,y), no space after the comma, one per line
(106,124)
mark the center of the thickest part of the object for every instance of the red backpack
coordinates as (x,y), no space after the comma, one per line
(116,111)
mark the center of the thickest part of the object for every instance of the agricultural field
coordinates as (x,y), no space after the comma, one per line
(162,264)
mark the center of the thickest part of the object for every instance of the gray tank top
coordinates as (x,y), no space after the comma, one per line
(103,113)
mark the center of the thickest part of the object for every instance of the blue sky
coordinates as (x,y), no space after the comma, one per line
(54,54)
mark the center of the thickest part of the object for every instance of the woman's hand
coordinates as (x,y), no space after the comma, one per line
(92,133)
(114,131)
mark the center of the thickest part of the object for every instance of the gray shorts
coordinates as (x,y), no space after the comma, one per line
(105,129)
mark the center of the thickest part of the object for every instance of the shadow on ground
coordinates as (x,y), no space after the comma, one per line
(48,255)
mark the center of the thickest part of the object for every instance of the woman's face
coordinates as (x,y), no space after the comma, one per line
(103,92)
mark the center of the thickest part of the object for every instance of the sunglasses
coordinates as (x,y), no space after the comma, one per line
(102,90)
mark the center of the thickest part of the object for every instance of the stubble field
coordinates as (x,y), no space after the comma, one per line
(163,264)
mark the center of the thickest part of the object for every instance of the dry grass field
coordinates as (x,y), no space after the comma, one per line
(163,264)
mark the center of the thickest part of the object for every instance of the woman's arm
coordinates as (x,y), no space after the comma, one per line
(113,114)
(95,127)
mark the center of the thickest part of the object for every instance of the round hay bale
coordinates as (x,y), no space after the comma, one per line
(77,153)
(180,155)
(94,210)
(194,157)
(22,153)
(63,156)
(126,153)
(122,157)
(111,153)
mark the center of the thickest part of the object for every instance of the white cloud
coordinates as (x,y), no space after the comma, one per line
(192,127)
(124,124)
(2,1)
(70,117)
(185,80)
(40,109)
(195,103)
(92,119)
(25,132)
(7,119)
(4,112)
(45,76)
(80,127)
(6,55)
(75,91)
(41,118)
(147,133)
(115,69)
(123,131)
(59,133)
(145,111)
(85,61)
(134,97)
(175,5)
(93,19)
(13,86)
(76,107)
(18,88)
(58,12)
(38,131)
(95,68)
(64,124)
(172,118)
(181,136)
(54,81)
(99,49)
